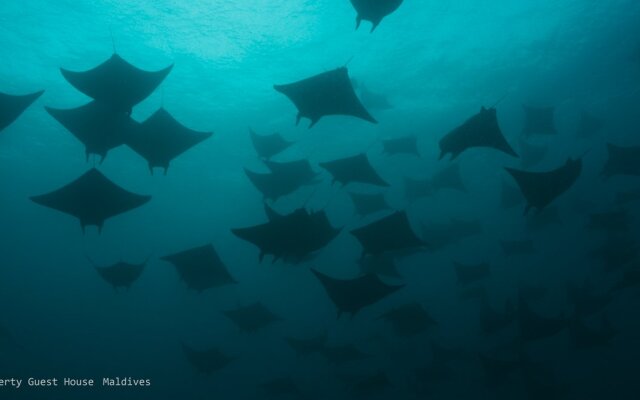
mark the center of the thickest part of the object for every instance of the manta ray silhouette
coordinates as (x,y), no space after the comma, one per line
(11,106)
(161,138)
(374,11)
(481,130)
(352,295)
(92,198)
(97,126)
(328,93)
(541,188)
(201,268)
(116,83)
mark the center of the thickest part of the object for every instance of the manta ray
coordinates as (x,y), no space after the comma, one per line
(120,274)
(328,93)
(201,268)
(97,126)
(389,234)
(354,169)
(293,237)
(92,198)
(352,295)
(161,138)
(374,10)
(11,106)
(116,83)
(541,188)
(481,130)
(268,146)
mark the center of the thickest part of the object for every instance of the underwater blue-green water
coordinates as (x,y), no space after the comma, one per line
(437,63)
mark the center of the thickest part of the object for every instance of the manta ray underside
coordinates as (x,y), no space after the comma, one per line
(11,106)
(356,169)
(201,268)
(481,130)
(92,198)
(389,234)
(161,138)
(97,126)
(328,93)
(374,10)
(351,295)
(541,188)
(293,237)
(117,83)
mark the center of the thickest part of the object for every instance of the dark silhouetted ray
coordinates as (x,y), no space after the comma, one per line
(481,130)
(534,326)
(328,93)
(589,126)
(92,198)
(355,169)
(116,82)
(374,10)
(206,361)
(252,317)
(610,221)
(161,138)
(539,121)
(99,127)
(541,188)
(439,236)
(366,204)
(470,273)
(293,237)
(120,274)
(403,145)
(304,347)
(268,146)
(381,265)
(510,196)
(622,161)
(389,234)
(351,295)
(584,336)
(12,106)
(530,154)
(517,247)
(409,319)
(343,354)
(200,268)
(448,178)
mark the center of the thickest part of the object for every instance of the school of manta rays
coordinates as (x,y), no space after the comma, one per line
(105,122)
